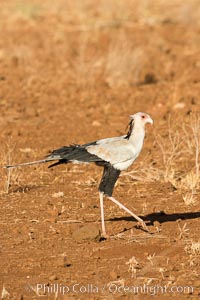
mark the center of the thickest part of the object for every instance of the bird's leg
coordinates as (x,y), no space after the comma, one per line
(142,223)
(102,214)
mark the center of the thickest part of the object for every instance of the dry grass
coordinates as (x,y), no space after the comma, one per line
(189,198)
(111,12)
(120,64)
(193,248)
(133,265)
(184,231)
(122,58)
(178,162)
(9,154)
(124,62)
(5,294)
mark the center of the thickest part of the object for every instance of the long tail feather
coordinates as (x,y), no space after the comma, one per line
(28,163)
(63,155)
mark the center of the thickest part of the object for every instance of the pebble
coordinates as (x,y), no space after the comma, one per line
(53,277)
(86,233)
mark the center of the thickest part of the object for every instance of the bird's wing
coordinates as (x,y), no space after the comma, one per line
(104,141)
(114,150)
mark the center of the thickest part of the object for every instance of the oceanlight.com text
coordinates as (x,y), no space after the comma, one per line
(112,288)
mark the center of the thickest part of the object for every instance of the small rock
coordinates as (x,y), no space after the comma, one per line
(58,195)
(179,105)
(96,123)
(86,233)
(150,78)
(66,265)
(63,262)
(25,150)
(53,277)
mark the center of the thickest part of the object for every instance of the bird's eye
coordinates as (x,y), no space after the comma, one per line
(143,117)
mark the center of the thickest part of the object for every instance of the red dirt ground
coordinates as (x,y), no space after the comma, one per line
(72,72)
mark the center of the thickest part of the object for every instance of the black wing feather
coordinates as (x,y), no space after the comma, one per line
(66,154)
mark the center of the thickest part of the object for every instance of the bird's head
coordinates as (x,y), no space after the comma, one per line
(141,118)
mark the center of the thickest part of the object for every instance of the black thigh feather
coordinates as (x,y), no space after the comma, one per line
(110,176)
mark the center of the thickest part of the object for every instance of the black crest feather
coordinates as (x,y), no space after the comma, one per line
(130,129)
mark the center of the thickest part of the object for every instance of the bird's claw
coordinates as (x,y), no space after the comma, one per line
(104,236)
(143,226)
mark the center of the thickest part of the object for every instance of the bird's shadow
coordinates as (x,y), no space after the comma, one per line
(161,217)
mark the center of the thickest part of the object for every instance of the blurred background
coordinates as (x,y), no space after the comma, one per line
(69,70)
(97,58)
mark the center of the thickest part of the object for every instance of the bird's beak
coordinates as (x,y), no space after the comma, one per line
(150,121)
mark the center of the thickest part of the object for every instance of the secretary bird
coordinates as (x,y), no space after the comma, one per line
(114,154)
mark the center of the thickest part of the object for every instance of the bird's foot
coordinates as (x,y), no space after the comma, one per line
(104,236)
(141,224)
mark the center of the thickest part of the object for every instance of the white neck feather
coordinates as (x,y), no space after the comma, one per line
(137,137)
